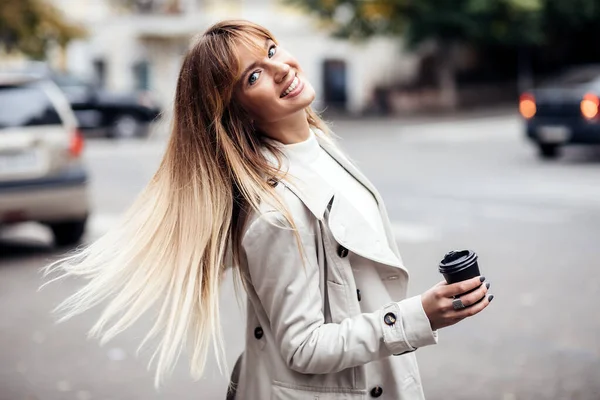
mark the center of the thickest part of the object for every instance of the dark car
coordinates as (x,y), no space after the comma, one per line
(119,115)
(564,111)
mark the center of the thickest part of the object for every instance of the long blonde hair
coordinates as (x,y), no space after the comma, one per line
(173,244)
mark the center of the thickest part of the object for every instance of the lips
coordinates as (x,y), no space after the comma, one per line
(296,91)
(288,84)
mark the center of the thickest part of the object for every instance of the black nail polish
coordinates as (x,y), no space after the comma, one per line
(487,285)
(490,298)
(481,278)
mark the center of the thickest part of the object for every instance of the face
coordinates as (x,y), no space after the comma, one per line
(272,86)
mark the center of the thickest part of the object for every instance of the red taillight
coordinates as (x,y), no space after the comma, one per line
(527,106)
(589,106)
(76,145)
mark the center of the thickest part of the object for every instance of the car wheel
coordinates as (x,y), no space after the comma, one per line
(68,232)
(125,126)
(549,151)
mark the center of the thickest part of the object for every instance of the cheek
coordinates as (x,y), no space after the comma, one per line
(259,102)
(289,59)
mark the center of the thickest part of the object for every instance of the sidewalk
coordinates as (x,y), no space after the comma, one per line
(420,118)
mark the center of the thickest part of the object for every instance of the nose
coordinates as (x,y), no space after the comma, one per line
(280,71)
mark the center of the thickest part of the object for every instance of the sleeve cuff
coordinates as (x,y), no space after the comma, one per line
(406,326)
(417,327)
(394,337)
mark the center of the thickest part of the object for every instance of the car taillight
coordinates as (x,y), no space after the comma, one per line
(589,106)
(527,106)
(76,144)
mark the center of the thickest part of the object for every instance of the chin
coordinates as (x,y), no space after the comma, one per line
(311,95)
(307,96)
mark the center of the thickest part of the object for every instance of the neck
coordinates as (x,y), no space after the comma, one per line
(294,129)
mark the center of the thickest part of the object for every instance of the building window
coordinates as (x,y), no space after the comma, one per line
(100,72)
(141,73)
(144,6)
(159,6)
(334,83)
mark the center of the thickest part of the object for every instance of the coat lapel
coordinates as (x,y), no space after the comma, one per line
(330,148)
(347,224)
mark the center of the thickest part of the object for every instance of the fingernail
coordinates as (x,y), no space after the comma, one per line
(490,298)
(481,278)
(487,285)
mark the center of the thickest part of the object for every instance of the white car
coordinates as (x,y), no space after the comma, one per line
(42,177)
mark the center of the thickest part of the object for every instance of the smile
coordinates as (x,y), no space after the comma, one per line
(294,89)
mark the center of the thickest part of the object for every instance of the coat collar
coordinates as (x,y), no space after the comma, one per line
(314,191)
(329,146)
(307,185)
(346,223)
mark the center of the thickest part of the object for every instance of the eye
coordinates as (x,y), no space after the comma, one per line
(272,51)
(253,77)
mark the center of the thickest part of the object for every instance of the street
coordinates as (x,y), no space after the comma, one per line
(448,184)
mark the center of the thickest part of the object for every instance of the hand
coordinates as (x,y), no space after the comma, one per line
(437,301)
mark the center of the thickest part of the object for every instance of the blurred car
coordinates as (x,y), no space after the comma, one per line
(564,111)
(120,115)
(42,177)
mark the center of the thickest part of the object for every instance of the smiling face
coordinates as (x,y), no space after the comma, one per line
(272,86)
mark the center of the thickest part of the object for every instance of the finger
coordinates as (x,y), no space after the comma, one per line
(475,309)
(475,296)
(458,288)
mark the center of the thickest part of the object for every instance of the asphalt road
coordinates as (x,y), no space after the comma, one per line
(458,183)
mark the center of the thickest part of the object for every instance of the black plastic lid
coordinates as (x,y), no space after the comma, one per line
(456,261)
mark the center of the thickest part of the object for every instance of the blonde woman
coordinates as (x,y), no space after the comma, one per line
(252,179)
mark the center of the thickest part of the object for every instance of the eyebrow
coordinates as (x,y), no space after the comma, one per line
(255,63)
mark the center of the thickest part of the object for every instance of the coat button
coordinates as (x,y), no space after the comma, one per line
(376,391)
(358,294)
(389,319)
(258,332)
(342,251)
(272,182)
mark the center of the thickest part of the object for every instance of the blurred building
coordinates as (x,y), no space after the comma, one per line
(138,44)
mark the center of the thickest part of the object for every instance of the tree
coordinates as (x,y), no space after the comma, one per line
(446,24)
(571,29)
(30,26)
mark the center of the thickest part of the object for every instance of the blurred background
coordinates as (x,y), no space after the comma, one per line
(478,120)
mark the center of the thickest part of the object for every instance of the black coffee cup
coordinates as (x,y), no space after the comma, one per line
(459,266)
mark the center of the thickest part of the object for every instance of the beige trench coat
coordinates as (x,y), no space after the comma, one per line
(306,337)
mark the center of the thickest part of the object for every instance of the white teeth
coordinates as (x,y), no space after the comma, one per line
(291,87)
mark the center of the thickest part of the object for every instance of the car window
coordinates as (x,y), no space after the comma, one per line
(63,80)
(575,77)
(26,105)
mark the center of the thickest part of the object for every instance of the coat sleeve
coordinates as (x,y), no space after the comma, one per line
(288,288)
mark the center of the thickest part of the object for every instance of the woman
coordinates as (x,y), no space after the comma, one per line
(252,179)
